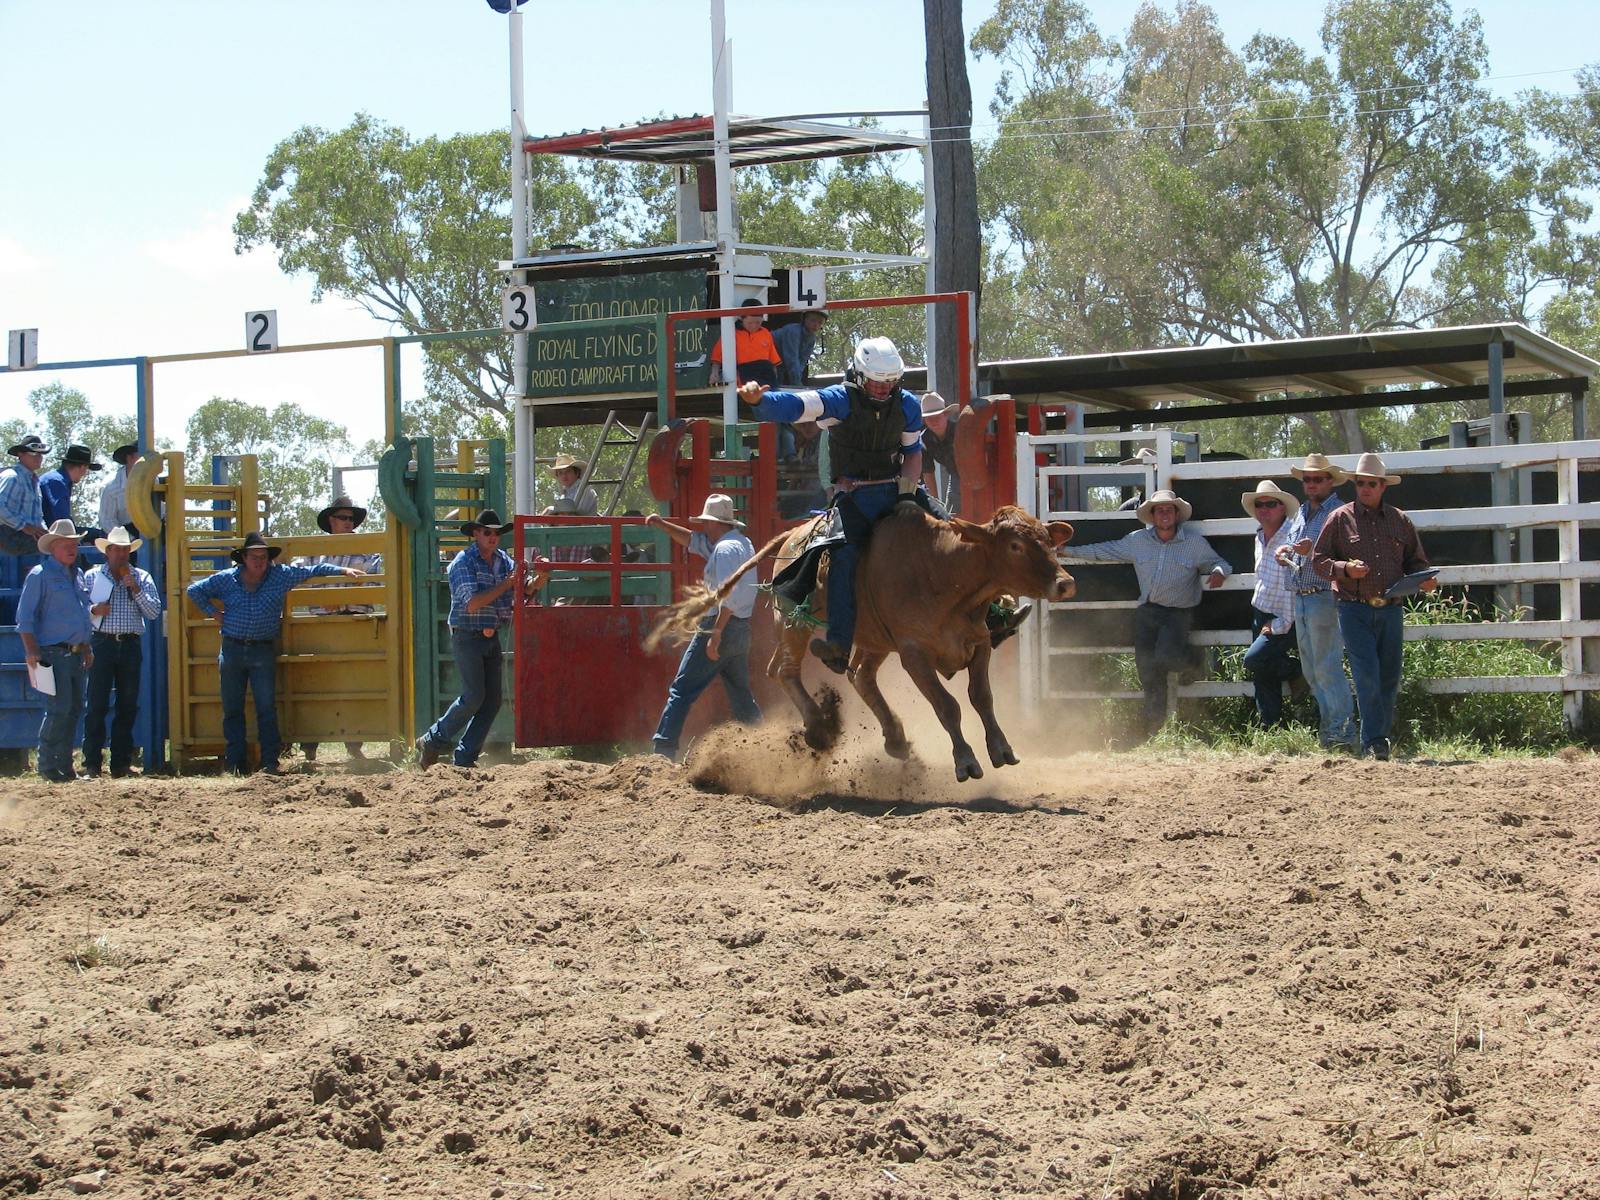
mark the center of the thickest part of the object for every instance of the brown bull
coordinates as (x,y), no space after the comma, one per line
(923,589)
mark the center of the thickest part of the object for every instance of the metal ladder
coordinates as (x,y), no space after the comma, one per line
(615,435)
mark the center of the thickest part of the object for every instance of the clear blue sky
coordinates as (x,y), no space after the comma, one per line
(136,131)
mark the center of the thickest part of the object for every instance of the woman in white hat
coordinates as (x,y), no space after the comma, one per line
(1270,659)
(721,647)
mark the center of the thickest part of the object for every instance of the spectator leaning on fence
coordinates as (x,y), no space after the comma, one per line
(568,471)
(1316,611)
(1270,658)
(252,593)
(1170,563)
(53,624)
(56,486)
(129,600)
(21,504)
(114,499)
(1367,547)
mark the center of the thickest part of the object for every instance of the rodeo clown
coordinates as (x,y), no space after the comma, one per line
(875,449)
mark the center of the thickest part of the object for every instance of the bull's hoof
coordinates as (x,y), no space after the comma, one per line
(967,768)
(1003,755)
(900,750)
(819,737)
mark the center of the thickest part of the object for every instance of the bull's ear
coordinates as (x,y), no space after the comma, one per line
(968,532)
(1060,533)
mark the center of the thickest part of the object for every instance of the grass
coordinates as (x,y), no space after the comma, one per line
(98,951)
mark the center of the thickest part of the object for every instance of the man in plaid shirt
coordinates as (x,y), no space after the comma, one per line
(480,577)
(252,593)
(21,501)
(130,600)
(1270,658)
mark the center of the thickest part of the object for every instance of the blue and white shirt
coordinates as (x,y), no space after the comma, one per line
(21,503)
(54,605)
(128,613)
(731,551)
(1169,572)
(468,575)
(257,615)
(1274,592)
(1308,523)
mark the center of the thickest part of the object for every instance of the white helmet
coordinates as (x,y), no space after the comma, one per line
(877,359)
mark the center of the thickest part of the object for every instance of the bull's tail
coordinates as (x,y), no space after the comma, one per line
(678,624)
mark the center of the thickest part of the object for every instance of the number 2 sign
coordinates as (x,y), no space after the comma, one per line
(261,330)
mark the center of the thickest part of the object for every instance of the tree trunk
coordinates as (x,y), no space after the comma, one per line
(955,236)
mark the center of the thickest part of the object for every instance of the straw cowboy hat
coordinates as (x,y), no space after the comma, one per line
(1145,458)
(118,537)
(63,530)
(32,444)
(487,519)
(565,462)
(1164,496)
(254,541)
(719,508)
(1370,466)
(341,503)
(1267,490)
(933,405)
(1318,464)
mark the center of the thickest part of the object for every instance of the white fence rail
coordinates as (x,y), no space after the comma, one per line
(1579,639)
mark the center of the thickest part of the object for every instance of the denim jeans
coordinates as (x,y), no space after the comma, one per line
(859,510)
(695,673)
(116,667)
(1271,666)
(62,712)
(1160,646)
(478,663)
(1316,623)
(252,664)
(1374,641)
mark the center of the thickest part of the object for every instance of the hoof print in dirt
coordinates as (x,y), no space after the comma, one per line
(458,1142)
(458,1038)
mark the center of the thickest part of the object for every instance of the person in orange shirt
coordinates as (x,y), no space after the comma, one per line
(758,357)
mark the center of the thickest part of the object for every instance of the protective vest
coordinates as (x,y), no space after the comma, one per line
(866,444)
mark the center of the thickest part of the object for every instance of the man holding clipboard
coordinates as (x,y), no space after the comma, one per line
(1371,552)
(53,622)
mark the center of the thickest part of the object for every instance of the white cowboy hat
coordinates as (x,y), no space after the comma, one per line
(1319,464)
(933,405)
(1145,458)
(1370,466)
(719,508)
(63,530)
(1164,496)
(118,537)
(1267,490)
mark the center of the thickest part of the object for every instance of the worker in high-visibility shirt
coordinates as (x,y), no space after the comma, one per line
(758,357)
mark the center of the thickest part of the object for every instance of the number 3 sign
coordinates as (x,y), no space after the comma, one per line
(516,309)
(261,330)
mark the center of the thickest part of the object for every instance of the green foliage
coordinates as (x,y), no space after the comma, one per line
(295,455)
(62,416)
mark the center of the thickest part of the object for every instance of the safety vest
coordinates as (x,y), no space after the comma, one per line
(866,444)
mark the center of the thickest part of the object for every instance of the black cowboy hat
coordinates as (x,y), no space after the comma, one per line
(253,541)
(32,444)
(79,456)
(487,519)
(123,453)
(341,503)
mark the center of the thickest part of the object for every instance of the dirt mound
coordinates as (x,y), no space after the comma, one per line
(832,976)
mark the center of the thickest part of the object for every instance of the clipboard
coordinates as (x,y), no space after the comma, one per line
(100,589)
(43,679)
(1409,585)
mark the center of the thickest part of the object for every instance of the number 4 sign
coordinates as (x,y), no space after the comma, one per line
(808,287)
(261,330)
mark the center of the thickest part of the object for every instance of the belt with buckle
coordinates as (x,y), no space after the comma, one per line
(249,641)
(1309,591)
(117,637)
(1374,601)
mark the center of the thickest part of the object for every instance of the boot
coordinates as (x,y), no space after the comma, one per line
(1003,621)
(834,657)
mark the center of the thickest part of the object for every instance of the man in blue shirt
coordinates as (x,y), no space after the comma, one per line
(122,598)
(21,506)
(721,647)
(480,577)
(53,622)
(796,342)
(252,594)
(55,488)
(875,448)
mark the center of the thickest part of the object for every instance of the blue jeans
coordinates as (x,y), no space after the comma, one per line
(254,664)
(1374,641)
(1316,623)
(117,662)
(1160,646)
(695,673)
(62,712)
(478,663)
(859,510)
(1270,665)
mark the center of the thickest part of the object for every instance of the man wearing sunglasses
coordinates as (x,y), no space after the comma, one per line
(1365,549)
(1270,659)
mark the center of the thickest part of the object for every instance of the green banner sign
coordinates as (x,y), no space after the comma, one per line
(618,358)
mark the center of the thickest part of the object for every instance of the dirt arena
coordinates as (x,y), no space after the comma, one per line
(1092,975)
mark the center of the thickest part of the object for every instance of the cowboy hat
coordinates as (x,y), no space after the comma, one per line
(254,541)
(486,519)
(719,507)
(340,502)
(1145,458)
(118,537)
(1164,496)
(933,405)
(1267,490)
(565,462)
(123,453)
(1370,466)
(32,444)
(62,530)
(79,456)
(1319,464)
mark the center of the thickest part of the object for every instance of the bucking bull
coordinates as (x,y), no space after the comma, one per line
(923,590)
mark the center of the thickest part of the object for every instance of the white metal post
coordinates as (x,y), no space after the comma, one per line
(721,101)
(1571,604)
(930,213)
(522,420)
